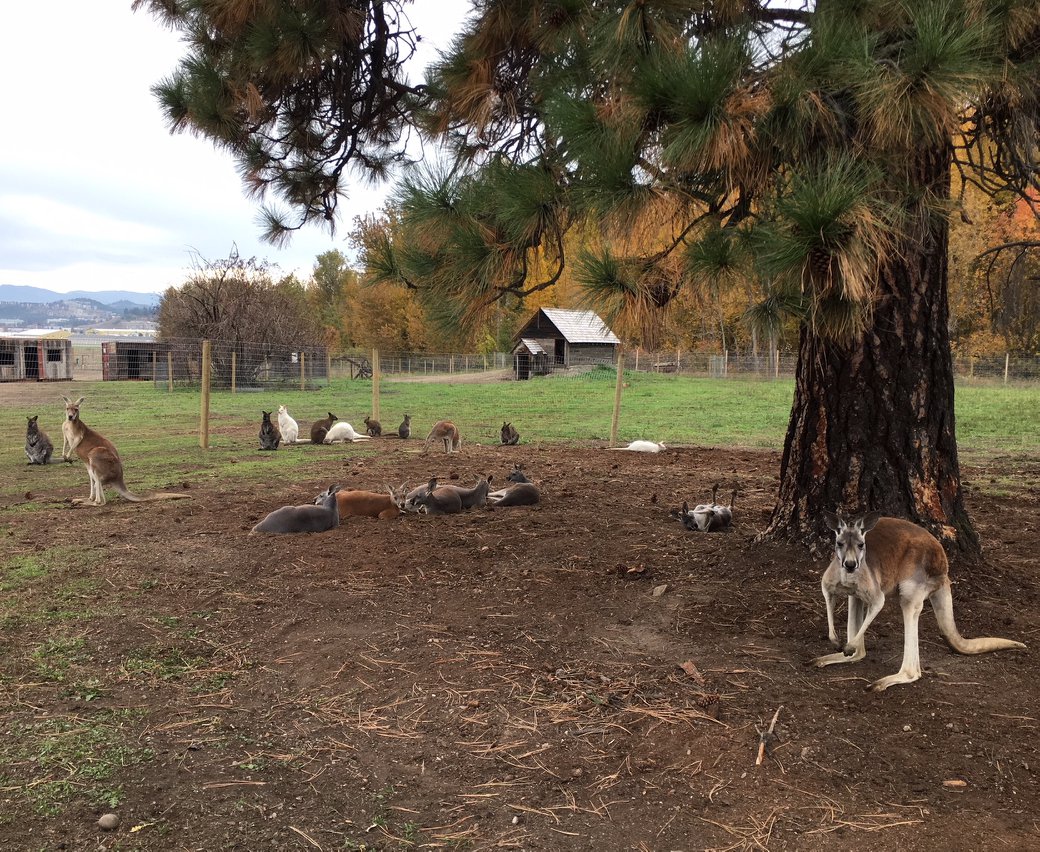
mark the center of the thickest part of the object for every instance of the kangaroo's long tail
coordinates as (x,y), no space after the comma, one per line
(127,494)
(942,605)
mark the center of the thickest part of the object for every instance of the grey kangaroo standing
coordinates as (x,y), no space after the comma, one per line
(270,436)
(38,446)
(301,519)
(405,429)
(319,428)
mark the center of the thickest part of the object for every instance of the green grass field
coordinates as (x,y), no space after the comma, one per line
(679,410)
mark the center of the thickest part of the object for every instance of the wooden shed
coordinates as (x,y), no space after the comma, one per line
(35,359)
(123,360)
(558,338)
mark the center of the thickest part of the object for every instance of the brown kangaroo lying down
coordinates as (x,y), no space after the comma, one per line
(104,467)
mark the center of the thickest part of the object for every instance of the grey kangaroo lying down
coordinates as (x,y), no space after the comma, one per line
(301,519)
(520,492)
(437,500)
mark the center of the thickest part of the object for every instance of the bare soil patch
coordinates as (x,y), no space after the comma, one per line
(507,679)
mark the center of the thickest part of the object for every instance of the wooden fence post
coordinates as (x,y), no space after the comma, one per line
(303,375)
(375,384)
(169,371)
(616,416)
(234,367)
(1007,361)
(328,367)
(204,412)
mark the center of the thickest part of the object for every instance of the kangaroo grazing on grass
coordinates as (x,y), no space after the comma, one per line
(104,467)
(875,556)
(446,432)
(342,431)
(300,519)
(708,517)
(373,427)
(270,437)
(405,429)
(439,501)
(369,504)
(38,446)
(319,428)
(289,428)
(510,437)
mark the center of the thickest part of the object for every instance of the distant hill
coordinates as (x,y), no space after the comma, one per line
(119,299)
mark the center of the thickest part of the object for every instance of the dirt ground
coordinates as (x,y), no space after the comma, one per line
(509,679)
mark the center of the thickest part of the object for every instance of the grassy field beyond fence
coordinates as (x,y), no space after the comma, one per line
(677,410)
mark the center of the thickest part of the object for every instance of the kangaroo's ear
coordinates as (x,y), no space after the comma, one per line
(685,508)
(67,400)
(832,521)
(432,483)
(868,521)
(490,477)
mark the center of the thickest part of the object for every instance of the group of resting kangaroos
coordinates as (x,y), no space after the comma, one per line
(874,557)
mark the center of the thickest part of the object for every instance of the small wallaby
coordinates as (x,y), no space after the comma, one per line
(38,446)
(319,428)
(510,437)
(643,447)
(270,437)
(289,428)
(300,519)
(405,429)
(373,427)
(439,501)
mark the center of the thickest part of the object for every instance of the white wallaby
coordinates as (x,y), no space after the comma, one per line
(289,428)
(307,518)
(643,447)
(875,556)
(343,431)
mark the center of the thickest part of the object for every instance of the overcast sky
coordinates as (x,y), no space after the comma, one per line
(95,193)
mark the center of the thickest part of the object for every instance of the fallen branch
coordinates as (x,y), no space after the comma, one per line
(765,738)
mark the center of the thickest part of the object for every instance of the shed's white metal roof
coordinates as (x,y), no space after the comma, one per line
(533,346)
(580,326)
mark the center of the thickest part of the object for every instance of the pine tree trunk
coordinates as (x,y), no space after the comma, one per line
(872,425)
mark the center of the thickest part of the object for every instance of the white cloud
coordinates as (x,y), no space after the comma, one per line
(95,190)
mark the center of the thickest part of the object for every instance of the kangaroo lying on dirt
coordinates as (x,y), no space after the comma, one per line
(38,446)
(520,492)
(708,517)
(510,437)
(342,431)
(289,428)
(475,496)
(319,428)
(446,432)
(104,467)
(874,557)
(369,504)
(270,437)
(438,501)
(308,518)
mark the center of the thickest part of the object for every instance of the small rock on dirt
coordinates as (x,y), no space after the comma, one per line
(660,590)
(108,822)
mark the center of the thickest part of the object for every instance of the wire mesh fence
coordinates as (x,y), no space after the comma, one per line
(251,366)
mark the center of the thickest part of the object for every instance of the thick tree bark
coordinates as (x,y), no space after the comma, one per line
(872,425)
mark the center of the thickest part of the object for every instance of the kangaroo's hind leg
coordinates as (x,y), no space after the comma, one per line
(910,671)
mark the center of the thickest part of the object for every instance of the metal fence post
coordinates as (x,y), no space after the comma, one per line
(234,365)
